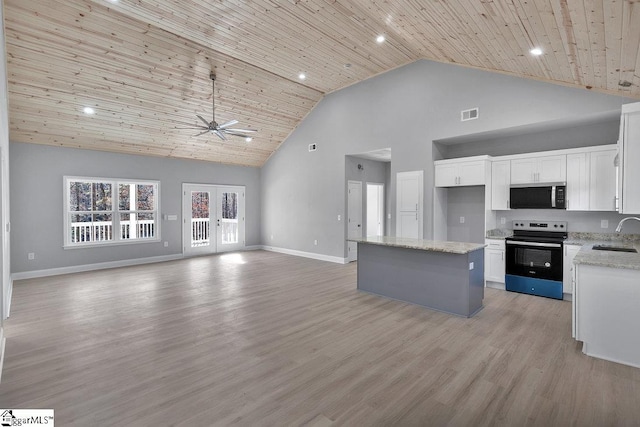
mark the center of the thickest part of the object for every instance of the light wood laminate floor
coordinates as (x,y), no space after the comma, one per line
(262,339)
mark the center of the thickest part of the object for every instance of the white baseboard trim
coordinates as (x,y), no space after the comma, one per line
(3,342)
(303,254)
(91,267)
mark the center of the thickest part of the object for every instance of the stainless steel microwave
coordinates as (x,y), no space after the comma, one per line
(540,197)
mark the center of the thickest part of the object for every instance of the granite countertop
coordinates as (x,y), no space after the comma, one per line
(499,233)
(425,245)
(628,260)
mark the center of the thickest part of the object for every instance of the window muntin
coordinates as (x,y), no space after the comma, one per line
(96,214)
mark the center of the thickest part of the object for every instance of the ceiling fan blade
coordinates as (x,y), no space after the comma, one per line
(229,123)
(203,120)
(220,134)
(194,127)
(202,133)
(237,134)
(242,130)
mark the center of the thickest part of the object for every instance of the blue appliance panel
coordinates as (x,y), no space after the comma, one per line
(528,285)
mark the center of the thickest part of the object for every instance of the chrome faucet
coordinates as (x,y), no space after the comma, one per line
(619,227)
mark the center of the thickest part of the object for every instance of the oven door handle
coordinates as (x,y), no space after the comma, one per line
(543,245)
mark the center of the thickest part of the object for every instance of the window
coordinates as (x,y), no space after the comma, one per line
(110,211)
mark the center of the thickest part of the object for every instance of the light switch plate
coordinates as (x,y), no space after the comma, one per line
(604,223)
(471,265)
(461,220)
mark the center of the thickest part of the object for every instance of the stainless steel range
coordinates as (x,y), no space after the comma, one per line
(534,258)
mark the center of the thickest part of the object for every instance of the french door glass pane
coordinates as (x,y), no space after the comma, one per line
(229,223)
(200,219)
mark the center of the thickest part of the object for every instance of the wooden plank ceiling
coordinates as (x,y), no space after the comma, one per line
(144,65)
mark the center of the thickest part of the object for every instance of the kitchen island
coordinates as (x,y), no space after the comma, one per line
(444,276)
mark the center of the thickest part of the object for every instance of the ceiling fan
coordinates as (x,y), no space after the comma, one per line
(214,127)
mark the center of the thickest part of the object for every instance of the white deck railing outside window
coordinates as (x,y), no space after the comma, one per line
(100,231)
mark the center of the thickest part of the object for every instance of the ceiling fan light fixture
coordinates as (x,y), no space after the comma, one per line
(88,111)
(380,39)
(536,51)
(302,76)
(220,130)
(248,139)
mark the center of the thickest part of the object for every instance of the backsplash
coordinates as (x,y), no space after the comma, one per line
(578,222)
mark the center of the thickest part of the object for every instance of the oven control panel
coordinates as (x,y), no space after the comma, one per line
(540,225)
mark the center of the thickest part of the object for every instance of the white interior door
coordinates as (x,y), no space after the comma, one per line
(375,209)
(409,204)
(213,219)
(354,217)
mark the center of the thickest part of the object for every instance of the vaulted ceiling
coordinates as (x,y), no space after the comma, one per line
(144,65)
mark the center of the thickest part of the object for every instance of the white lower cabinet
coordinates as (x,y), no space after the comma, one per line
(606,315)
(570,252)
(494,265)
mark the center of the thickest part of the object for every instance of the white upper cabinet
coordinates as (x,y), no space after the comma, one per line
(602,180)
(455,173)
(500,183)
(591,179)
(534,170)
(629,147)
(577,196)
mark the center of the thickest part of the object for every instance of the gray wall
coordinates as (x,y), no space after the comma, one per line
(467,202)
(373,172)
(601,133)
(406,110)
(37,191)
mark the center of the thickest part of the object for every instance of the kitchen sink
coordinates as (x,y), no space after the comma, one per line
(614,248)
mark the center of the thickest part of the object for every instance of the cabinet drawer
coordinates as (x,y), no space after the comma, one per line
(495,244)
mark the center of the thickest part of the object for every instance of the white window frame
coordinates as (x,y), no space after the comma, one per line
(115,212)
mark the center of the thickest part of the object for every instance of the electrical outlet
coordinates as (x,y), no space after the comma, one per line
(31,256)
(461,220)
(503,220)
(604,223)
(315,242)
(166,244)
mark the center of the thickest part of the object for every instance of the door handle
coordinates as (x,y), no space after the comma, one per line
(358,225)
(218,223)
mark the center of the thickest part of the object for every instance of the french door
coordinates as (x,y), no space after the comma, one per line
(213,218)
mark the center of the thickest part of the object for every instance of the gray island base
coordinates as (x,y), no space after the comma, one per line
(444,276)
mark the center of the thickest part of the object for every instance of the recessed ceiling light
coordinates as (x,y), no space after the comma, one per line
(248,139)
(380,38)
(536,51)
(302,76)
(89,110)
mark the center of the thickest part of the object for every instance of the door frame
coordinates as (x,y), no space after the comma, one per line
(352,247)
(381,205)
(214,236)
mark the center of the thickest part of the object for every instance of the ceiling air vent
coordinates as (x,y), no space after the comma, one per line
(471,114)
(313,147)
